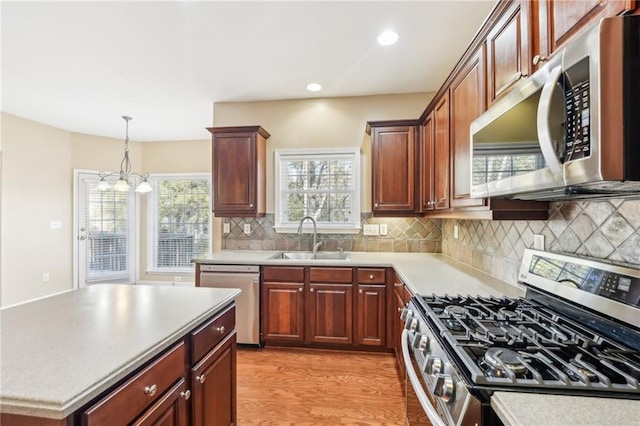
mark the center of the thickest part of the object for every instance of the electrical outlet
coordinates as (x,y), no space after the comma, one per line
(538,241)
(247,229)
(456,232)
(370,230)
(177,278)
(45,277)
(383,229)
(55,224)
(226,227)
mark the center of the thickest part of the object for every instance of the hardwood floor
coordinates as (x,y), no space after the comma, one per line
(278,386)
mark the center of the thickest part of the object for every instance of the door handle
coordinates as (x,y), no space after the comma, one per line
(544,111)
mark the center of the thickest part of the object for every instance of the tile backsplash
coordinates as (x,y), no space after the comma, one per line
(403,235)
(599,229)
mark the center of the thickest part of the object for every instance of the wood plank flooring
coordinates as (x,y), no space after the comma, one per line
(278,386)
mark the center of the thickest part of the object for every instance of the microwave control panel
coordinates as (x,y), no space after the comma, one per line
(577,140)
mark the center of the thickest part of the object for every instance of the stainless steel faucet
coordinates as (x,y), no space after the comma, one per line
(316,245)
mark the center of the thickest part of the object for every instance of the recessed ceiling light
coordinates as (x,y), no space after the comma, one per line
(314,87)
(387,38)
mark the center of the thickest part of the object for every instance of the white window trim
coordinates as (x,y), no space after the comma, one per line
(151,231)
(321,228)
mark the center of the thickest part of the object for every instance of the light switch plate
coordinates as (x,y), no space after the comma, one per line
(247,229)
(456,231)
(55,224)
(538,241)
(226,227)
(370,230)
(383,229)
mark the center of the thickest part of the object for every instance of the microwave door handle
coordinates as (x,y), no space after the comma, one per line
(544,111)
(434,418)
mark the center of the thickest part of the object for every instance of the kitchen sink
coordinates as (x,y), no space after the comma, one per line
(307,255)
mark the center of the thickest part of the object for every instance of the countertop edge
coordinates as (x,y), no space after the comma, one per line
(63,409)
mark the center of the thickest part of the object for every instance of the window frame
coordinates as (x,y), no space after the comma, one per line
(152,231)
(317,154)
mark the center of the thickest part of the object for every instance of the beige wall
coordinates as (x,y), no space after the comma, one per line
(36,188)
(322,122)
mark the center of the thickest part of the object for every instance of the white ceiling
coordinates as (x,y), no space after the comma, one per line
(81,65)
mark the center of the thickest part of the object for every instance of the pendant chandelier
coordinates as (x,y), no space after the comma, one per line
(125,171)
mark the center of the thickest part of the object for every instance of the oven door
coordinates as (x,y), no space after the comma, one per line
(420,410)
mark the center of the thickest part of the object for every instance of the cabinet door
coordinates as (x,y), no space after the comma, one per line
(561,20)
(170,410)
(234,173)
(283,311)
(393,169)
(370,314)
(214,386)
(441,153)
(467,103)
(427,164)
(399,327)
(330,313)
(508,50)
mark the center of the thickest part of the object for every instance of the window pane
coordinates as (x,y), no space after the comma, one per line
(182,221)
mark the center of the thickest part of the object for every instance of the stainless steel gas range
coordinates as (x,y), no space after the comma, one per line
(576,332)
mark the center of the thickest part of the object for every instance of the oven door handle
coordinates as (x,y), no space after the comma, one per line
(434,418)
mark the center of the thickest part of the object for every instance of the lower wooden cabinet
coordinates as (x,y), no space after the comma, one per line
(324,306)
(214,384)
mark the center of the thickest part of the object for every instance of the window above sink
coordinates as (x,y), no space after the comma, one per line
(321,183)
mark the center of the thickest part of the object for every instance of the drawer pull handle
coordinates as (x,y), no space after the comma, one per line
(371,276)
(186,394)
(201,378)
(150,390)
(397,284)
(220,329)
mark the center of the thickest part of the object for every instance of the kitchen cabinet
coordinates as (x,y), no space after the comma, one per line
(239,171)
(467,94)
(171,409)
(509,49)
(330,306)
(393,170)
(558,21)
(441,153)
(401,298)
(283,304)
(325,306)
(213,377)
(371,307)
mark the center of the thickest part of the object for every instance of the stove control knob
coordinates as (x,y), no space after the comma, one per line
(406,313)
(422,343)
(434,365)
(444,387)
(412,325)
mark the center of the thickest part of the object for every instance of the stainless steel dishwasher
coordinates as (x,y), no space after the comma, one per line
(247,279)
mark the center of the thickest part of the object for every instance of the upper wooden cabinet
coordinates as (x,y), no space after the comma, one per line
(427,164)
(509,50)
(393,157)
(440,166)
(239,171)
(467,94)
(558,21)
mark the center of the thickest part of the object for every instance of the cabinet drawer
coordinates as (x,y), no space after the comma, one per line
(398,285)
(126,402)
(371,276)
(211,333)
(330,275)
(290,274)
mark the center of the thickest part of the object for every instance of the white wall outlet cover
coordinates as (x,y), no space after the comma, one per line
(247,228)
(45,277)
(371,229)
(383,229)
(226,227)
(538,241)
(55,224)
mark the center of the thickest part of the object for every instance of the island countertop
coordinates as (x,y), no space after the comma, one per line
(60,352)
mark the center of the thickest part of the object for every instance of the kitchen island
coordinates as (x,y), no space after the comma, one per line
(61,354)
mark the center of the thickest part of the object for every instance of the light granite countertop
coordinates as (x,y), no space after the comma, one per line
(423,273)
(60,352)
(526,409)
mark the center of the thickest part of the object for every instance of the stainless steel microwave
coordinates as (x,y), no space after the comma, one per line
(571,130)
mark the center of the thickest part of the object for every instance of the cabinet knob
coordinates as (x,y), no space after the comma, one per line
(360,291)
(312,290)
(186,394)
(371,276)
(399,309)
(537,59)
(251,205)
(220,329)
(300,289)
(397,284)
(375,205)
(201,378)
(150,390)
